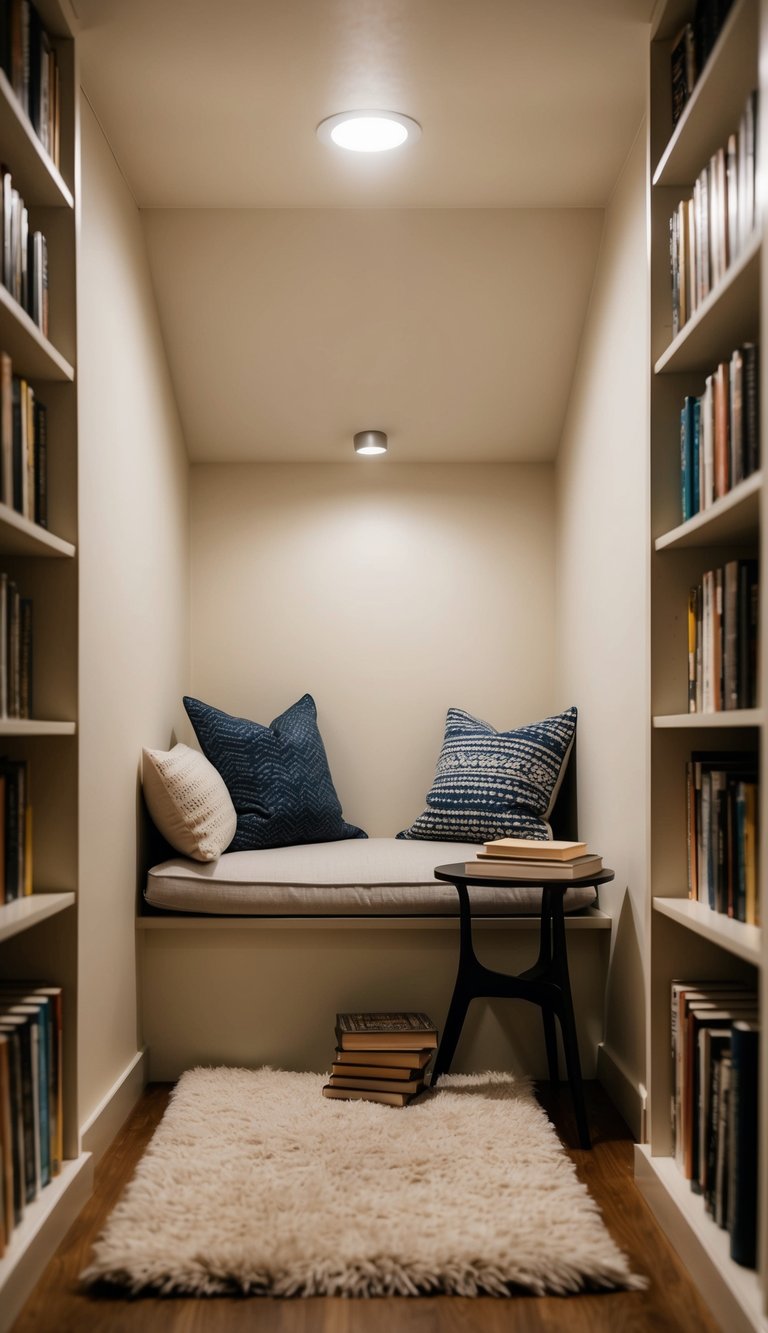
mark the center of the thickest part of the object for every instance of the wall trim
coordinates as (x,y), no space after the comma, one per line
(629,1098)
(103,1123)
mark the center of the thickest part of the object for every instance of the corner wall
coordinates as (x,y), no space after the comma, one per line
(134,624)
(387,591)
(602,599)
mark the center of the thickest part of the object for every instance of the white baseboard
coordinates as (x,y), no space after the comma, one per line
(629,1098)
(114,1108)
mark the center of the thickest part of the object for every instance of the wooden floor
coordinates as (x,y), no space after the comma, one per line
(670,1305)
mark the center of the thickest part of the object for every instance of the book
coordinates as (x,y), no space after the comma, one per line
(367,1095)
(743,1144)
(720,1183)
(539,870)
(395,1073)
(6,1134)
(10,1035)
(538,849)
(407,1060)
(384,1031)
(409,1086)
(682,70)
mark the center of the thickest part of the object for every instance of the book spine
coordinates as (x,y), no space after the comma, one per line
(743,1145)
(750,409)
(692,605)
(736,418)
(730,634)
(721,450)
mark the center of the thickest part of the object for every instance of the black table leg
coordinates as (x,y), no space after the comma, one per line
(463,990)
(550,1041)
(568,1021)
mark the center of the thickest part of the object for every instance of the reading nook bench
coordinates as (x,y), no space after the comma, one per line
(274,913)
(365,877)
(247,959)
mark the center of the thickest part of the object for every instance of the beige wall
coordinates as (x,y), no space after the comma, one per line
(133,544)
(602,617)
(388,592)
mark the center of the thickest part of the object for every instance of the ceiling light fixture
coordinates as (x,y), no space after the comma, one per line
(370,442)
(368,131)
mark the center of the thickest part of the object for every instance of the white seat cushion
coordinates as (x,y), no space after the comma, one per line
(356,877)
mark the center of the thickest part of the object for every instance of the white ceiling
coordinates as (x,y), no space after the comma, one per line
(304,293)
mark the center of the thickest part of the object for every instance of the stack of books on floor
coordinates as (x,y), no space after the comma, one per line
(532,859)
(381,1057)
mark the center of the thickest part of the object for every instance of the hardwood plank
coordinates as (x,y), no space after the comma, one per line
(670,1305)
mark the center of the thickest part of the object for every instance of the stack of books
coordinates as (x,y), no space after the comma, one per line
(530,858)
(381,1057)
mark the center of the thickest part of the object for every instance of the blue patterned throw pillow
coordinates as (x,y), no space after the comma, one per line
(277,776)
(495,784)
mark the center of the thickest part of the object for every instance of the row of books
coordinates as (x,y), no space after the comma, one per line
(31,1096)
(25,256)
(23,446)
(15,831)
(691,48)
(720,433)
(722,639)
(723,833)
(534,859)
(709,230)
(381,1057)
(715,1041)
(15,651)
(29,60)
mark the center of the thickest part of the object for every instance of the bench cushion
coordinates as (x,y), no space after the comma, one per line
(372,877)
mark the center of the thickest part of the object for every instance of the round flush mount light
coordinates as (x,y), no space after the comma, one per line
(368,131)
(370,442)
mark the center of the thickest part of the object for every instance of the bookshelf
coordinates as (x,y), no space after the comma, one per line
(39,932)
(688,939)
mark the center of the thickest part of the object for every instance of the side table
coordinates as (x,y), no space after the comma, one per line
(546,984)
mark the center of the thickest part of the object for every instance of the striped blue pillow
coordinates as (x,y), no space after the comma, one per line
(277,776)
(495,784)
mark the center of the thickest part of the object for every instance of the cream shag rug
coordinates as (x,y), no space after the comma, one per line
(255,1183)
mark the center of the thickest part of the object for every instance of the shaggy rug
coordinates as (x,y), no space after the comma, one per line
(253,1183)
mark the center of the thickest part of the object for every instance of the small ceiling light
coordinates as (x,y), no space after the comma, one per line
(368,131)
(370,442)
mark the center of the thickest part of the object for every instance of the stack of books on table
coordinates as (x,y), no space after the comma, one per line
(381,1057)
(530,858)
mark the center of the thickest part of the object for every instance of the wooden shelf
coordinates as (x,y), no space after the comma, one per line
(734,519)
(728,317)
(732,1292)
(20,536)
(42,1229)
(736,936)
(33,726)
(735,717)
(33,172)
(26,912)
(31,353)
(717,101)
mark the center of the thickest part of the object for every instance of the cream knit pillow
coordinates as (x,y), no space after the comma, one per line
(188,801)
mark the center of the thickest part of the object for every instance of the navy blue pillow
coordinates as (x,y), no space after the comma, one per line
(495,784)
(277,776)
